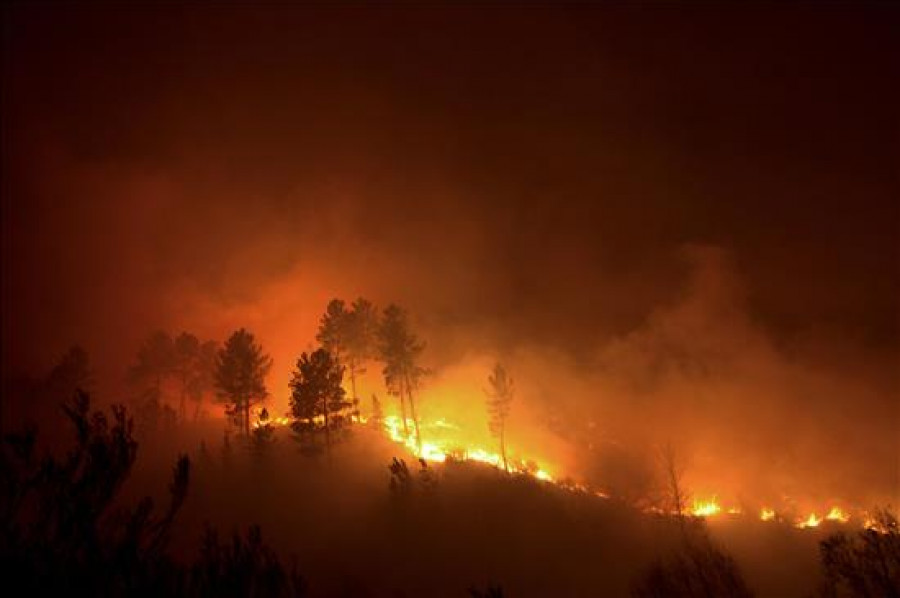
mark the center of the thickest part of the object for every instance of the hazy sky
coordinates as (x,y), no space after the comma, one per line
(534,173)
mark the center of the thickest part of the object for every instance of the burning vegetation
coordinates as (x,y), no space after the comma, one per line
(435,426)
(43,534)
(431,301)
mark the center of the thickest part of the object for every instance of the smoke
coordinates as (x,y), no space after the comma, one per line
(656,255)
(753,420)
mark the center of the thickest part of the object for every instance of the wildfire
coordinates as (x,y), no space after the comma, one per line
(439,451)
(811,521)
(445,441)
(836,514)
(706,508)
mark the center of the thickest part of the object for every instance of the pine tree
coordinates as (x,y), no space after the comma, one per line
(155,362)
(349,335)
(499,398)
(71,373)
(400,350)
(186,353)
(362,327)
(333,329)
(316,392)
(241,369)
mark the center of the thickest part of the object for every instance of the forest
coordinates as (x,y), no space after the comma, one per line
(449,299)
(72,525)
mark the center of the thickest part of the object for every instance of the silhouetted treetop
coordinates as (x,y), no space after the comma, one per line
(334,327)
(499,399)
(865,563)
(72,372)
(400,350)
(241,369)
(155,360)
(316,392)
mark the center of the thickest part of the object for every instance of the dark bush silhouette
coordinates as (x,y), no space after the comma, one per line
(404,484)
(242,567)
(698,570)
(401,479)
(59,528)
(62,533)
(864,564)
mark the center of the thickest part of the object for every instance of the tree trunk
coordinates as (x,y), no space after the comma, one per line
(415,418)
(403,412)
(503,446)
(182,406)
(327,430)
(353,389)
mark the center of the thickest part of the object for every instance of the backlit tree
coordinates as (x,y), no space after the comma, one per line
(349,335)
(362,329)
(499,398)
(241,369)
(72,372)
(400,351)
(333,327)
(155,362)
(316,392)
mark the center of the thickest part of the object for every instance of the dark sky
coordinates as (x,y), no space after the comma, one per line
(531,170)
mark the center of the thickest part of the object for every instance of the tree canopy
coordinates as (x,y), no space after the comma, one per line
(499,399)
(349,335)
(400,351)
(316,392)
(240,375)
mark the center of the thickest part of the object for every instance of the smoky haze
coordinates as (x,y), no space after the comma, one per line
(668,230)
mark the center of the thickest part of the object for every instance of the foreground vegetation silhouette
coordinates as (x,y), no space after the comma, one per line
(65,528)
(698,569)
(62,531)
(863,564)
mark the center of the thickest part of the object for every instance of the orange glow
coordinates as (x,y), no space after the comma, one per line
(706,508)
(445,440)
(811,521)
(836,514)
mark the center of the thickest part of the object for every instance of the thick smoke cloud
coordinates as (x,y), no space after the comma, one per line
(664,234)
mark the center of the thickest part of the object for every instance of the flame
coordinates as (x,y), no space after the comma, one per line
(811,521)
(836,514)
(446,441)
(706,508)
(871,523)
(439,450)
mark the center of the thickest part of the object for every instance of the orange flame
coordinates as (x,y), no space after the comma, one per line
(811,521)
(836,514)
(706,508)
